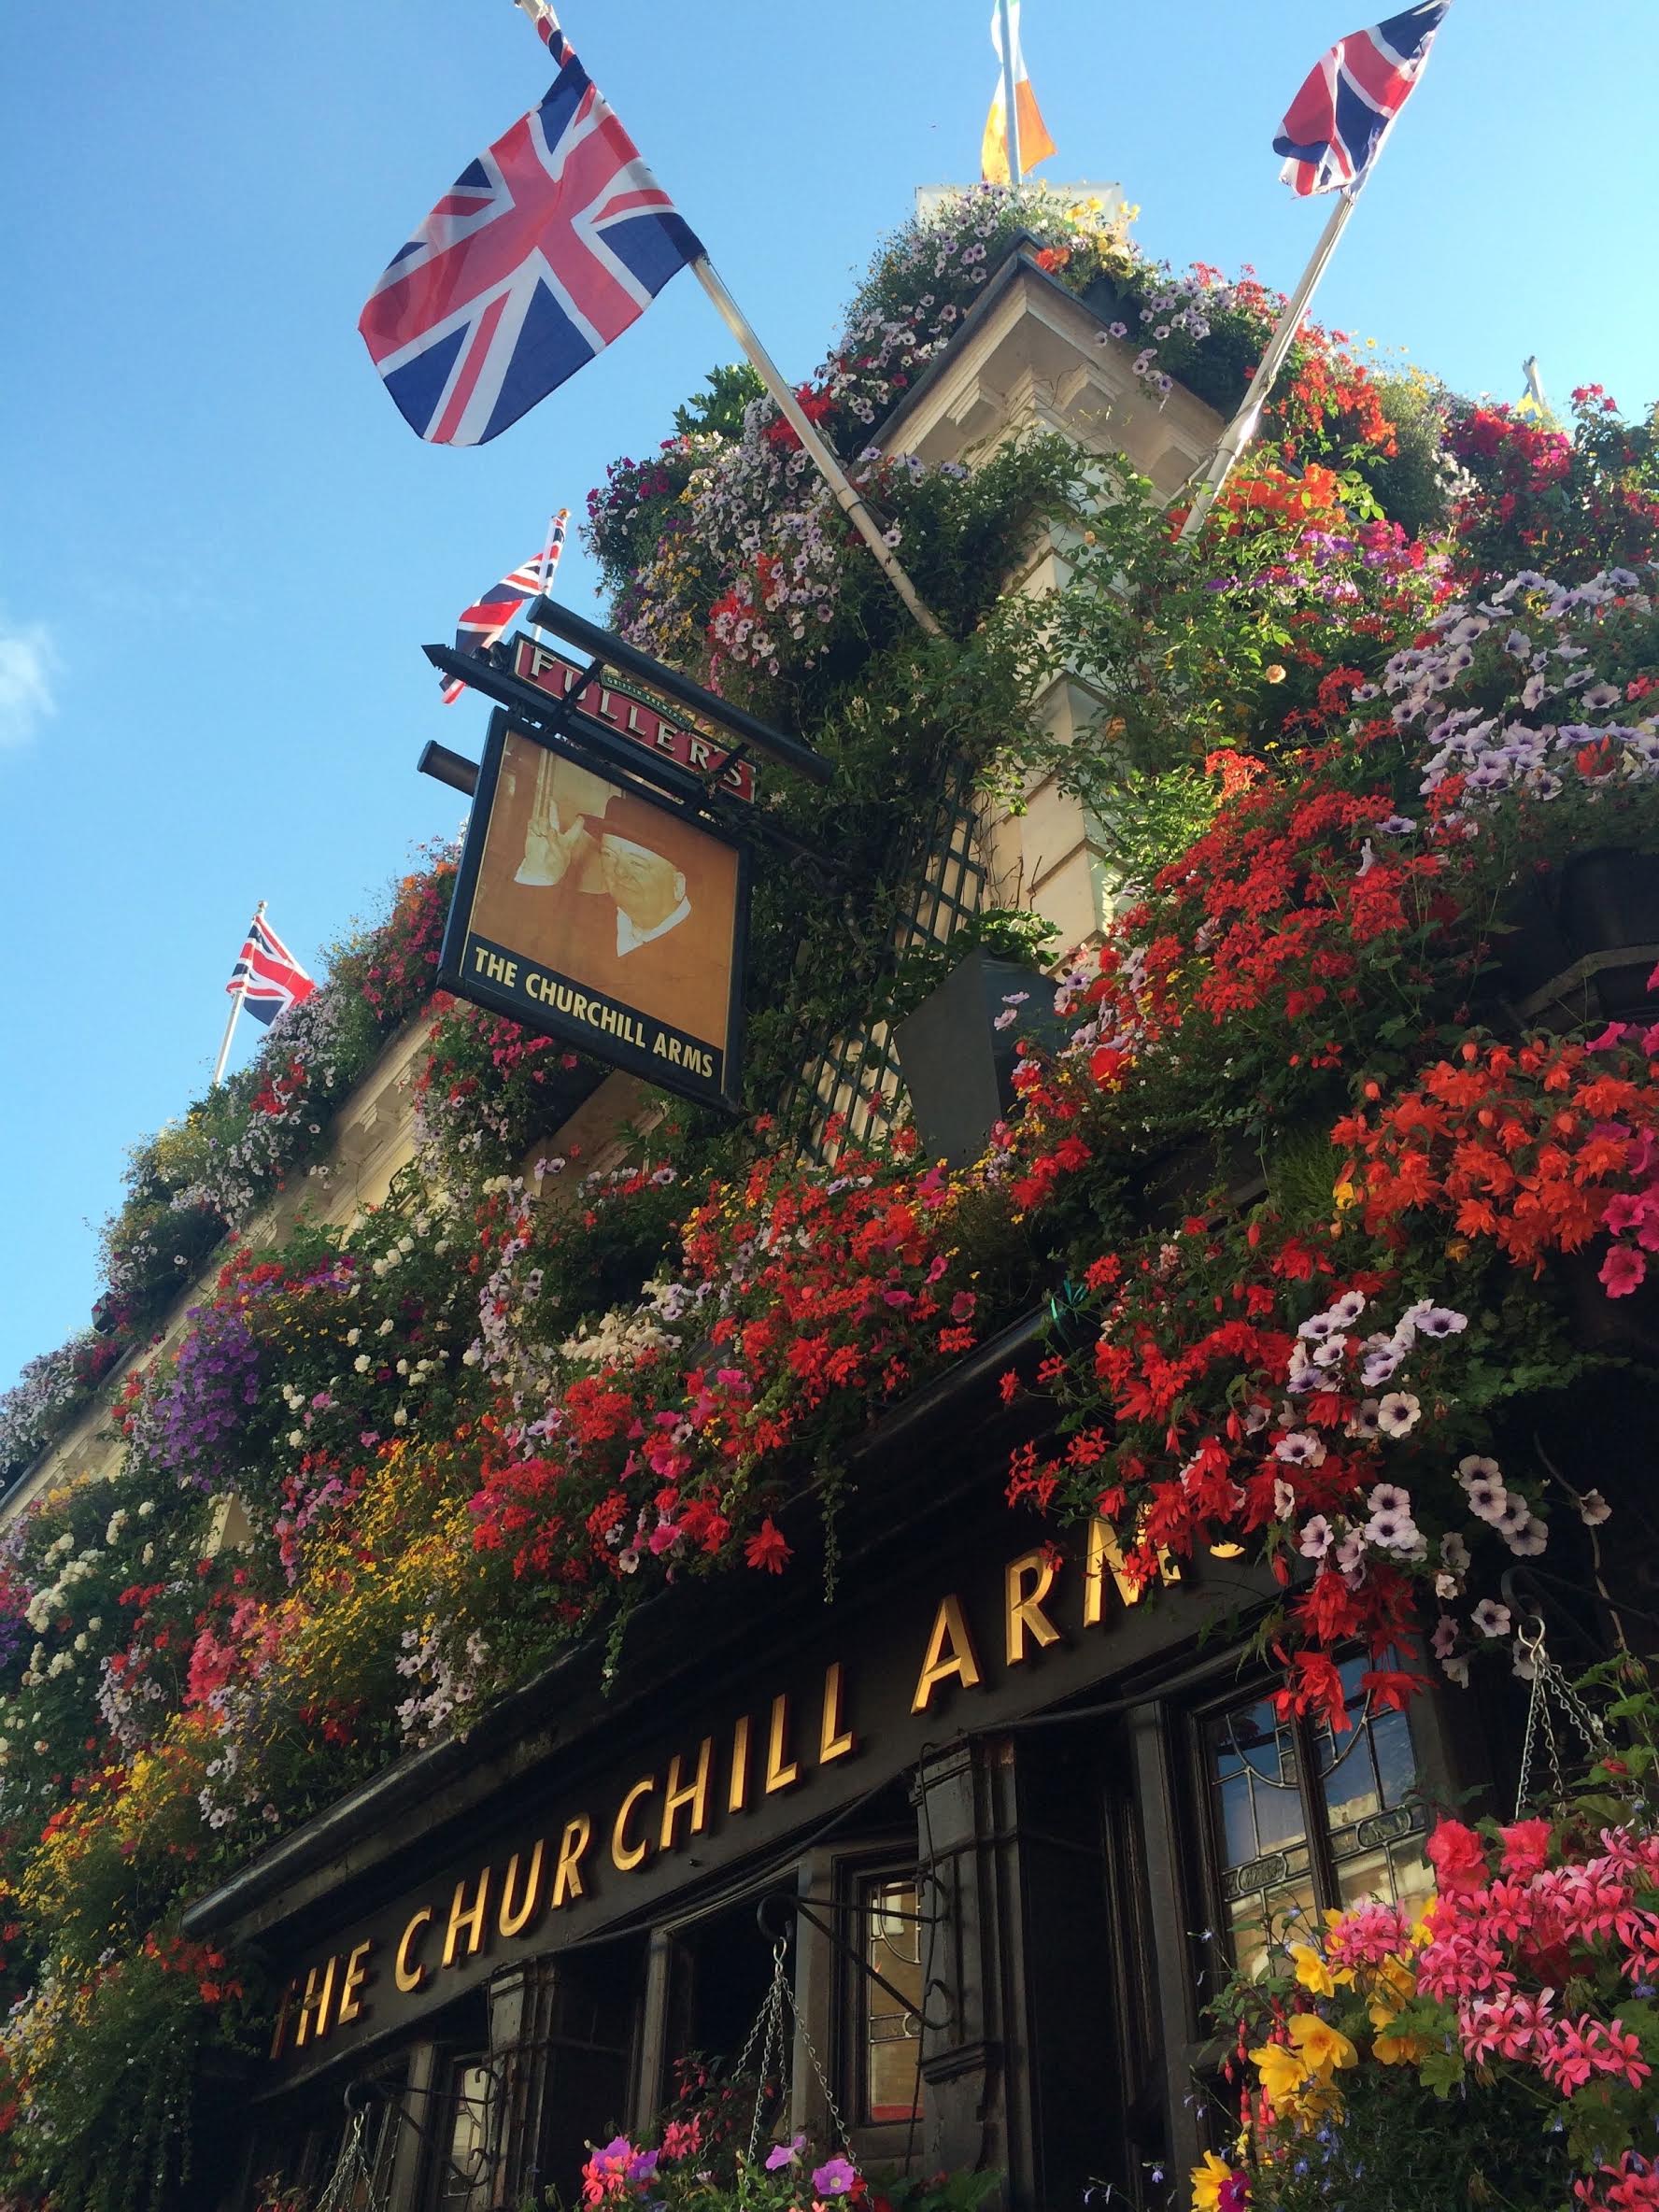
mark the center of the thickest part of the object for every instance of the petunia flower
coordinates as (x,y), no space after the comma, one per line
(1398,1414)
(1490,1618)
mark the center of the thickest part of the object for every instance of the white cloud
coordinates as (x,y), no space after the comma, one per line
(28,662)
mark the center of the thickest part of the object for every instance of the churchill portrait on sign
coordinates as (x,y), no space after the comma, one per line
(607,891)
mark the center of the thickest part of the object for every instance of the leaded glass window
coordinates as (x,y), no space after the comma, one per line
(1304,1817)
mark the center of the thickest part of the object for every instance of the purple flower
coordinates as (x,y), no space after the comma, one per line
(1440,1321)
(784,2154)
(834,2177)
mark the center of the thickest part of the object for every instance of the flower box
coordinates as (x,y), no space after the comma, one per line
(958,1050)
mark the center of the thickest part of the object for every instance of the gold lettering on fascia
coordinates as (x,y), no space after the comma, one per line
(950,1655)
(356,1974)
(407,1971)
(512,1918)
(679,1794)
(1026,1582)
(835,1739)
(660,1813)
(567,1875)
(782,1772)
(466,1917)
(625,1853)
(1105,1555)
(313,2006)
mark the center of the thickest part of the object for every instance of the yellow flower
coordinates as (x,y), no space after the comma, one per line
(1321,2047)
(1395,1984)
(1312,1970)
(1208,2181)
(1283,2073)
(1399,2050)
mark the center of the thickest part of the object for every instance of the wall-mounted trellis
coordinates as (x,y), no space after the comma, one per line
(848,1090)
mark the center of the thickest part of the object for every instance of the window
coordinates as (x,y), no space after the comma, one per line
(460,2179)
(1303,1819)
(889,2028)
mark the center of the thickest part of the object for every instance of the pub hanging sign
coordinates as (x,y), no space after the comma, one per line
(603,895)
(597,912)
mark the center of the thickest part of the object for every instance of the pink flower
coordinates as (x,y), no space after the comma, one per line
(1623,1272)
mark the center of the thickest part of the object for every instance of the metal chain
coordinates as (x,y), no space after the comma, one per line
(779,2001)
(1550,1687)
(352,2170)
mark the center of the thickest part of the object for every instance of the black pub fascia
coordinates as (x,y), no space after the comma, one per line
(1000,1818)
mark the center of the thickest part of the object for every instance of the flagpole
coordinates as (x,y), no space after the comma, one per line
(549,562)
(851,505)
(1239,430)
(738,324)
(237,998)
(1011,139)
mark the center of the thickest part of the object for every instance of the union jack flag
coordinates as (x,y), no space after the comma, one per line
(1334,126)
(479,625)
(266,975)
(545,250)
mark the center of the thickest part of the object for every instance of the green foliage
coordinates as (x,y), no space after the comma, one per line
(717,409)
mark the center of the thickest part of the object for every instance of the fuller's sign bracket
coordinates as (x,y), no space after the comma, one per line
(603,893)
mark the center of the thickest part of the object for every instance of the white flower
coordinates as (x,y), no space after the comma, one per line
(1301,1448)
(353,1336)
(386,1327)
(1456,1553)
(1594,1509)
(296,1437)
(1474,1465)
(1529,1539)
(362,1364)
(1398,1414)
(1316,1537)
(1456,1670)
(1391,1531)
(1490,1618)
(400,1418)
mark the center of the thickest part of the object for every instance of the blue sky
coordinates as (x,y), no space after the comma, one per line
(222,548)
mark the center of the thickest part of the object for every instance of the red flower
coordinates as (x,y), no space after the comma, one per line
(768,1549)
(1458,1857)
